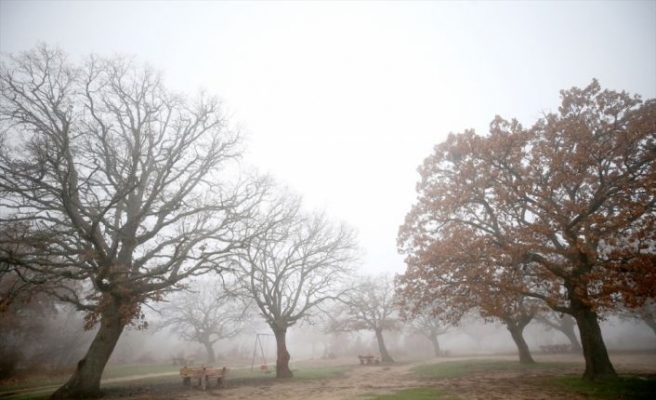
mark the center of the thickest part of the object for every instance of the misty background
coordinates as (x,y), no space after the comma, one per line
(342,101)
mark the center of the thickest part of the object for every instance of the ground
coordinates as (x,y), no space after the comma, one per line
(379,379)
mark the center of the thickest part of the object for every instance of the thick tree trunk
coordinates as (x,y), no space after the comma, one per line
(384,355)
(597,363)
(282,363)
(435,342)
(517,333)
(85,381)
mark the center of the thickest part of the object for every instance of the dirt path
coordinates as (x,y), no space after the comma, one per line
(372,380)
(362,379)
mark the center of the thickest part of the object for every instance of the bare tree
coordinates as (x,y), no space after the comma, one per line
(369,305)
(117,187)
(430,327)
(206,314)
(294,268)
(646,314)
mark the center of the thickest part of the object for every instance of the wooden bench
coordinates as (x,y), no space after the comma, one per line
(369,360)
(203,374)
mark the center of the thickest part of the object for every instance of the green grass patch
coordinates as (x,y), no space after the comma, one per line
(453,369)
(420,393)
(627,387)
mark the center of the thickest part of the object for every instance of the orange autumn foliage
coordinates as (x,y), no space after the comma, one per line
(563,211)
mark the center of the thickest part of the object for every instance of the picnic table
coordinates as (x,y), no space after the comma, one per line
(203,374)
(369,360)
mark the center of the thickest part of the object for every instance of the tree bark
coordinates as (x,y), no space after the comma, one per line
(85,381)
(384,355)
(597,363)
(517,333)
(282,362)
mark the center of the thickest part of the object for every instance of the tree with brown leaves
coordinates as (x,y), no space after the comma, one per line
(114,189)
(563,212)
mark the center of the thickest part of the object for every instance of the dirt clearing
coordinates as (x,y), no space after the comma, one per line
(378,379)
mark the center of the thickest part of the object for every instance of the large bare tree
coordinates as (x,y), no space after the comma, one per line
(570,202)
(115,189)
(298,265)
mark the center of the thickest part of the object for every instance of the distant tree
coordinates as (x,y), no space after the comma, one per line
(20,313)
(516,318)
(646,314)
(461,295)
(206,314)
(117,187)
(563,323)
(570,201)
(430,327)
(294,268)
(369,305)
(38,332)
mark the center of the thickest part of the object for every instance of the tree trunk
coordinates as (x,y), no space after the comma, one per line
(567,328)
(650,322)
(384,355)
(282,362)
(85,381)
(517,333)
(211,357)
(435,342)
(597,363)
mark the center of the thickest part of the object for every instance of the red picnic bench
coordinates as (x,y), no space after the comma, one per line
(203,374)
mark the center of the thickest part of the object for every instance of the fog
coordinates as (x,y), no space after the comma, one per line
(341,101)
(309,343)
(60,341)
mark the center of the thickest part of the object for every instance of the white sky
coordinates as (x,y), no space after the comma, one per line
(343,100)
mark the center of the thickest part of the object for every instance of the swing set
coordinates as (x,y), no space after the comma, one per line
(264,367)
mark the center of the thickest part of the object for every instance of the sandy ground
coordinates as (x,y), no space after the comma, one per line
(369,380)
